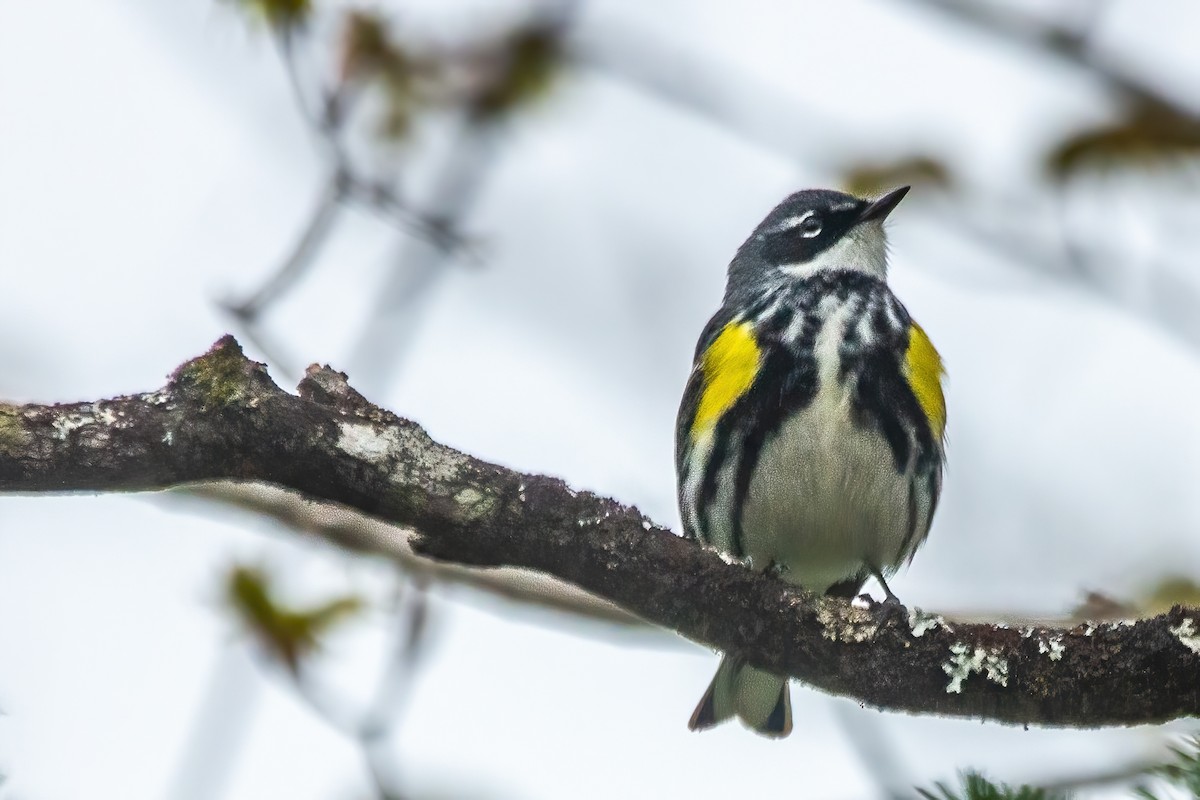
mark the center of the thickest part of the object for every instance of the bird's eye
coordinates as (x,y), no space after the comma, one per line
(810,227)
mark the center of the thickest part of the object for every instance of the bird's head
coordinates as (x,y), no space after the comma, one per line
(815,230)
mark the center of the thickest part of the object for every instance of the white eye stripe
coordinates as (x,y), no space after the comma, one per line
(792,222)
(800,219)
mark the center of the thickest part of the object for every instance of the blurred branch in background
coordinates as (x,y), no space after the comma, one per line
(290,636)
(487,80)
(378,723)
(285,636)
(361,533)
(388,329)
(482,83)
(1069,42)
(219,729)
(877,753)
(520,71)
(1149,130)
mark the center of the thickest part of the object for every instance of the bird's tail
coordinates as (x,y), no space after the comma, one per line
(759,699)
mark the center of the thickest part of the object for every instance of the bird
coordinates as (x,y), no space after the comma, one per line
(810,440)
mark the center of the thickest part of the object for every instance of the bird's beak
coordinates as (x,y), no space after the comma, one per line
(880,208)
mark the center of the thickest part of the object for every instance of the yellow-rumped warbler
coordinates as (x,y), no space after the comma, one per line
(809,439)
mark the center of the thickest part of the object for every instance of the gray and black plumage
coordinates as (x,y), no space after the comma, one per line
(810,436)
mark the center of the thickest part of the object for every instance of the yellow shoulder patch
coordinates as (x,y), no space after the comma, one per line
(729,366)
(924,370)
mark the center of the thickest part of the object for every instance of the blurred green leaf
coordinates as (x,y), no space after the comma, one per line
(282,14)
(976,787)
(367,49)
(368,53)
(1148,133)
(1162,596)
(1184,773)
(287,633)
(1173,590)
(867,180)
(1097,606)
(532,61)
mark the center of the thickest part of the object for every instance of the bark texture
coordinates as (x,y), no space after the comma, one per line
(221,417)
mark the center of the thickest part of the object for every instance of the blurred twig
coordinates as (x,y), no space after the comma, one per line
(361,533)
(876,752)
(721,93)
(1068,43)
(377,352)
(372,728)
(327,119)
(219,729)
(512,76)
(290,636)
(312,237)
(325,522)
(375,730)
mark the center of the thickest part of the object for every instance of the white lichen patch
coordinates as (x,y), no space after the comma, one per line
(159,398)
(474,503)
(1053,646)
(846,624)
(921,621)
(965,660)
(404,450)
(469,497)
(168,438)
(1187,635)
(365,441)
(63,425)
(996,668)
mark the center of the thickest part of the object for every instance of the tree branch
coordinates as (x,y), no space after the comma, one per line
(220,416)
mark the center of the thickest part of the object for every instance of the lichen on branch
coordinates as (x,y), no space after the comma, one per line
(221,417)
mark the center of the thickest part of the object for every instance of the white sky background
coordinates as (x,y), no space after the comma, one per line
(151,161)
